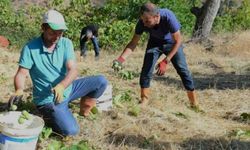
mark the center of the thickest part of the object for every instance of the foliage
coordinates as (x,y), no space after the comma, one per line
(149,141)
(233,20)
(180,115)
(240,133)
(59,145)
(242,17)
(116,34)
(134,111)
(116,19)
(3,78)
(46,132)
(21,25)
(128,75)
(181,8)
(55,145)
(122,98)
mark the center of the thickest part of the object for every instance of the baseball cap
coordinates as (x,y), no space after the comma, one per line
(55,20)
(89,33)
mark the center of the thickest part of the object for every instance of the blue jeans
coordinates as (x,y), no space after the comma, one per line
(59,116)
(95,43)
(178,61)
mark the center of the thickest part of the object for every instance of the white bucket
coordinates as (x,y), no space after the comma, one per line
(15,136)
(104,102)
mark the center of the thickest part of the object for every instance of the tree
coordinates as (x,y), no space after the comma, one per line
(205,16)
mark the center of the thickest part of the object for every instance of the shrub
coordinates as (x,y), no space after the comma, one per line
(116,20)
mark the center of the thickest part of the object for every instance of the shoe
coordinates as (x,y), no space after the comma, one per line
(192,98)
(86,105)
(96,58)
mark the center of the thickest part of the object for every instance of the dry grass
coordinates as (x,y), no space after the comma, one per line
(222,78)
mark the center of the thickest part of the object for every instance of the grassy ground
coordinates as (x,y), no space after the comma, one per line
(222,79)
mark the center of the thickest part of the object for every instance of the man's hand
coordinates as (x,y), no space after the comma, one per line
(15,100)
(162,67)
(117,64)
(58,93)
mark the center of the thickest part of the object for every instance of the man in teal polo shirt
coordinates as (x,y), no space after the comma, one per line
(50,61)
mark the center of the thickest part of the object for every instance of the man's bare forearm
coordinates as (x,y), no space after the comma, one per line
(70,77)
(20,77)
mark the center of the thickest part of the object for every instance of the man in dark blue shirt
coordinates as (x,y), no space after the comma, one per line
(165,38)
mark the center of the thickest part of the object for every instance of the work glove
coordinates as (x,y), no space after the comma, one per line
(58,91)
(117,64)
(15,100)
(162,67)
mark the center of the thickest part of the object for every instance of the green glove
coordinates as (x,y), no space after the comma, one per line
(58,92)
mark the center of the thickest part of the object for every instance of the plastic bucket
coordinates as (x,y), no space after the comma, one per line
(15,136)
(104,102)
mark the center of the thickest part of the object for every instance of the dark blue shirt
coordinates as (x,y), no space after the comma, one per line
(161,33)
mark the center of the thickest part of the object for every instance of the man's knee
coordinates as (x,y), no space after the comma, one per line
(102,81)
(71,130)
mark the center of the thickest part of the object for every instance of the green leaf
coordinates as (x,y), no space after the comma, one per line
(241,133)
(117,98)
(117,101)
(134,111)
(73,147)
(181,115)
(83,145)
(55,145)
(46,132)
(92,116)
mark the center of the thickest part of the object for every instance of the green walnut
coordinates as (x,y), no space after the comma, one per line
(26,115)
(94,110)
(13,107)
(21,120)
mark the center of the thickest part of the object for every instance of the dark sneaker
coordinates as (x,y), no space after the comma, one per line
(97,57)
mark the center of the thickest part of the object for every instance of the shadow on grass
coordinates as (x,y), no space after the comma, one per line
(139,141)
(220,81)
(121,140)
(215,144)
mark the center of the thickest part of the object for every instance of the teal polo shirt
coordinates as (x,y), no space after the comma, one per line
(46,69)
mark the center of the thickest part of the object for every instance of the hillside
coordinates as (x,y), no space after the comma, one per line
(222,79)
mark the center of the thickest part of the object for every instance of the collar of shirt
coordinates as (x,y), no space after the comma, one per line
(45,49)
